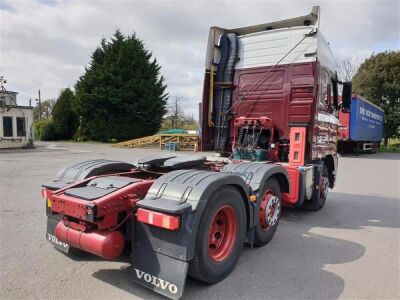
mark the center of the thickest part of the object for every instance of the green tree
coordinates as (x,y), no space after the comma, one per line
(65,120)
(378,80)
(45,111)
(122,94)
(175,117)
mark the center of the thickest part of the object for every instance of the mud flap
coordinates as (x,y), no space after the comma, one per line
(51,237)
(161,273)
(313,204)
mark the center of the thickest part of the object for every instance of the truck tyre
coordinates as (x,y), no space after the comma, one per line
(269,214)
(220,236)
(323,187)
(375,147)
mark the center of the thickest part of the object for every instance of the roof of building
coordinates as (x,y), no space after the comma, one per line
(17,106)
(8,92)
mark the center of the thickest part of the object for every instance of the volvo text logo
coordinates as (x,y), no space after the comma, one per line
(157,282)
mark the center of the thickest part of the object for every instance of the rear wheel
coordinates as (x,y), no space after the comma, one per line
(375,147)
(269,213)
(323,187)
(220,236)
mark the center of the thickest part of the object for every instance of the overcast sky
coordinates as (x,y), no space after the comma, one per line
(45,44)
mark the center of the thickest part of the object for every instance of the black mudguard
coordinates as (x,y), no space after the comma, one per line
(78,171)
(161,273)
(313,204)
(335,169)
(162,254)
(52,222)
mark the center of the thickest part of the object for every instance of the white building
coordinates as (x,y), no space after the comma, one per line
(16,122)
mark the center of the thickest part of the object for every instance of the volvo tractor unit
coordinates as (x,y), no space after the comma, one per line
(270,104)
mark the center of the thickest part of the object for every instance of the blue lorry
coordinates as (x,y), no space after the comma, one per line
(360,126)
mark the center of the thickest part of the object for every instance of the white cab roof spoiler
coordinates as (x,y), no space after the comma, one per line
(311,19)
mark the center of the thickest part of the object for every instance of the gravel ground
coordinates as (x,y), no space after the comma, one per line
(350,249)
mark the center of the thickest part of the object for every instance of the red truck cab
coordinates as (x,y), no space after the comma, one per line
(267,85)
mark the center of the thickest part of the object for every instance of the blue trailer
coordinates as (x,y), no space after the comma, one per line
(360,127)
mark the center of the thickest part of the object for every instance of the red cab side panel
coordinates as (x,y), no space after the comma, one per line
(286,95)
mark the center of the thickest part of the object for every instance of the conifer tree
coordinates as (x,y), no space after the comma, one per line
(122,94)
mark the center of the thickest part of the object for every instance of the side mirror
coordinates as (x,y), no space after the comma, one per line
(335,94)
(346,95)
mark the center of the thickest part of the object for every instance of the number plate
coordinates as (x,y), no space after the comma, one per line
(50,236)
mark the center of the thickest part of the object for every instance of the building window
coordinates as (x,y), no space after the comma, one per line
(21,129)
(7,127)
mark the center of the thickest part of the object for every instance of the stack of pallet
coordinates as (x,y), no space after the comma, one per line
(186,142)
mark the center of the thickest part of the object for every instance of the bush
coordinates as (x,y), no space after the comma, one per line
(38,127)
(82,134)
(48,132)
(44,130)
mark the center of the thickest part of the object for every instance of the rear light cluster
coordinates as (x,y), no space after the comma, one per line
(158,219)
(44,193)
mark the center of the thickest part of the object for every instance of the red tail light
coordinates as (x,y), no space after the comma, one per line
(44,193)
(158,219)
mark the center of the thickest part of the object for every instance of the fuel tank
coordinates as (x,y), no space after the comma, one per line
(103,243)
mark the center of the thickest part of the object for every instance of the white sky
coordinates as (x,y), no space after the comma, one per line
(47,43)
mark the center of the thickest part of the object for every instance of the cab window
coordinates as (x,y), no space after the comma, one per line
(326,92)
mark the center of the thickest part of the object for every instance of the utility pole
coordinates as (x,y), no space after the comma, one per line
(176,113)
(40,106)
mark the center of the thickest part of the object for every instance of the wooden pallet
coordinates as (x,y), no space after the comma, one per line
(148,141)
(187,142)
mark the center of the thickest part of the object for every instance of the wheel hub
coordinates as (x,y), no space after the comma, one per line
(270,209)
(222,233)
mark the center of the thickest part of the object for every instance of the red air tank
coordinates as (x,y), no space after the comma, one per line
(106,244)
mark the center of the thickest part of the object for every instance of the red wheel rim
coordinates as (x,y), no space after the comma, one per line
(222,233)
(270,209)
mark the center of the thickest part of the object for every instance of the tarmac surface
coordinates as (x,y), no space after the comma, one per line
(350,249)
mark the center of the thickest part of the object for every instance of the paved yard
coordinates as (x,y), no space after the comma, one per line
(350,249)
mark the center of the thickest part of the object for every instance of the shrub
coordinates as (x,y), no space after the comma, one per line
(38,127)
(48,132)
(44,130)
